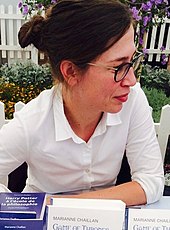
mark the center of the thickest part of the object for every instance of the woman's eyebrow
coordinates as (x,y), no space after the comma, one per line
(122,59)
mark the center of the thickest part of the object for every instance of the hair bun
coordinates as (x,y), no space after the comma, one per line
(31,33)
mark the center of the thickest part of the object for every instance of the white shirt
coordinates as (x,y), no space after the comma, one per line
(59,161)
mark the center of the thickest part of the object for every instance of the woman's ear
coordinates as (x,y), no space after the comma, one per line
(69,72)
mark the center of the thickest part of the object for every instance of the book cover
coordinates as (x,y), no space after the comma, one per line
(154,216)
(17,215)
(22,211)
(85,214)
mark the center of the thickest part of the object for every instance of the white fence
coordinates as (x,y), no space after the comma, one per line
(157,37)
(162,128)
(11,20)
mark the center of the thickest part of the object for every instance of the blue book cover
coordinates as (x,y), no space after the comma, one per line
(17,215)
(22,211)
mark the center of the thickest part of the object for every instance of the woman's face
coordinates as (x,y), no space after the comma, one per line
(98,90)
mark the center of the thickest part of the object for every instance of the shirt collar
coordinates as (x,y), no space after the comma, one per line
(113,119)
(63,130)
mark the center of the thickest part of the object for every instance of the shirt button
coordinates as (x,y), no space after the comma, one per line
(87,170)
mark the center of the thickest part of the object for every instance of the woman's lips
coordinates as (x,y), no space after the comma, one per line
(122,98)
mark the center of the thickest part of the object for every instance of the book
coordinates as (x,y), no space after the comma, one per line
(154,216)
(22,211)
(85,214)
(17,215)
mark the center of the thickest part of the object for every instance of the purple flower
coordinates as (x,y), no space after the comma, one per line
(145,51)
(143,31)
(135,13)
(163,62)
(147,6)
(145,20)
(162,48)
(53,1)
(39,6)
(164,59)
(140,41)
(25,9)
(158,2)
(19,4)
(164,56)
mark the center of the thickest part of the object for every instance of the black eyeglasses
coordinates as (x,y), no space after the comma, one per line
(121,71)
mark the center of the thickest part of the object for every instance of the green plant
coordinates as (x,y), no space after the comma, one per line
(157,99)
(22,82)
(156,85)
(27,73)
(156,78)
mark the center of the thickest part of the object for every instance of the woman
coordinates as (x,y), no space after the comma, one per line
(73,136)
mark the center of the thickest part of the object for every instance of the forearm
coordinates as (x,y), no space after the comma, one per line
(131,193)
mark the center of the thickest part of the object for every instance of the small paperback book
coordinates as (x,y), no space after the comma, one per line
(22,211)
(85,214)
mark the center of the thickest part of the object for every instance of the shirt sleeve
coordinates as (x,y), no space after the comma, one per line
(13,149)
(143,150)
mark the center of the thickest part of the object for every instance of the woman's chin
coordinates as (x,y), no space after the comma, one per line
(115,108)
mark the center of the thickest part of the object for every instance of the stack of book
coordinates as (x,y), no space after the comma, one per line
(22,211)
(28,211)
(93,214)
(85,214)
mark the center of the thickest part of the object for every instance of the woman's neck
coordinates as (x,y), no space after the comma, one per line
(81,118)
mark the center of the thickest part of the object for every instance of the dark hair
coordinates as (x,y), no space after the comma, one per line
(76,30)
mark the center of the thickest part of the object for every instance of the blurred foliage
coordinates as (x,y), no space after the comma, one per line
(156,78)
(22,82)
(156,85)
(157,99)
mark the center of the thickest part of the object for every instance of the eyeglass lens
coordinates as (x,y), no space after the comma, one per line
(123,70)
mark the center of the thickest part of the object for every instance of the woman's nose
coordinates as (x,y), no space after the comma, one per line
(130,79)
